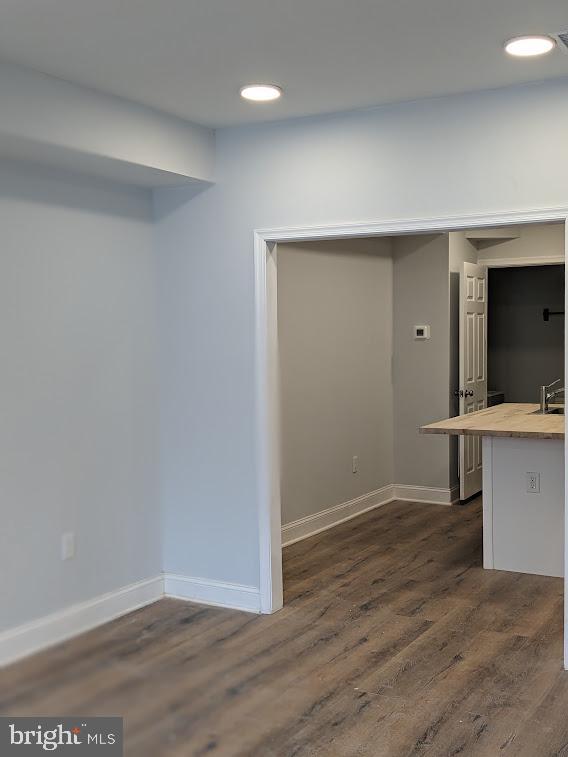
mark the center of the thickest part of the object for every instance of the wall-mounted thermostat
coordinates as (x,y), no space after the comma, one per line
(422,332)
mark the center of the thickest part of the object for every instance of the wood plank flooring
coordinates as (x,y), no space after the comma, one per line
(393,642)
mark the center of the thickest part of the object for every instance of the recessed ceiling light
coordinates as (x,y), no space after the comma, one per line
(261,93)
(529,46)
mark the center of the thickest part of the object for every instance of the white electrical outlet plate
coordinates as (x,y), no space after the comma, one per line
(68,546)
(355,464)
(533,483)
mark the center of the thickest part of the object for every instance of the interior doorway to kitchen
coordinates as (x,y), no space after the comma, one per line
(266,243)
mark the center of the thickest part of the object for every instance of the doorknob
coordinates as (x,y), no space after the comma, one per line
(463,393)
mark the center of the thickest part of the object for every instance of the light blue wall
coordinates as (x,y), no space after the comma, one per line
(78,406)
(501,150)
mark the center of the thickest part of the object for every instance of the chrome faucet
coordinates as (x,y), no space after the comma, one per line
(546,395)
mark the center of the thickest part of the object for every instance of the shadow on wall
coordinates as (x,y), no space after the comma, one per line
(47,186)
(172,199)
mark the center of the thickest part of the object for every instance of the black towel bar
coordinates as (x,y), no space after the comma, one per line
(546,313)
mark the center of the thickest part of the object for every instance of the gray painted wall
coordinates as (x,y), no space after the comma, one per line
(421,368)
(416,160)
(78,435)
(523,350)
(335,344)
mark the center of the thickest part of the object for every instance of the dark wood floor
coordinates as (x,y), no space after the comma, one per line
(393,641)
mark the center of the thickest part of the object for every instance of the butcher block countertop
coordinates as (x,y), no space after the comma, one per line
(509,419)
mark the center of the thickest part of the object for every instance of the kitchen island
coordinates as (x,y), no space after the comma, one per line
(523,485)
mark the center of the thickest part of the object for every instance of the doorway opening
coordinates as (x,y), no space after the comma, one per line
(266,356)
(380,335)
(525,337)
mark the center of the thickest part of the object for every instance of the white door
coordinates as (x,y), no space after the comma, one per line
(473,369)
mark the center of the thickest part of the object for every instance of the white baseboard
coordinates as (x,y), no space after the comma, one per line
(52,629)
(62,625)
(333,516)
(427,495)
(217,593)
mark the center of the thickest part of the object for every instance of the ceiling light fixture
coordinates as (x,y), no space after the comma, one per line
(261,93)
(530,45)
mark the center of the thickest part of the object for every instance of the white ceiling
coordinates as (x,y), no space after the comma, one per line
(189,57)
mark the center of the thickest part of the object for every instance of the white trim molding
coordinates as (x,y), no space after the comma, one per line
(426,495)
(52,629)
(216,593)
(303,528)
(266,361)
(332,516)
(412,225)
(516,262)
(267,449)
(45,632)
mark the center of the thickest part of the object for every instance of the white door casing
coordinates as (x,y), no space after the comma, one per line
(473,370)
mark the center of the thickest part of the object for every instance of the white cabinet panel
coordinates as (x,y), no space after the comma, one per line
(527,528)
